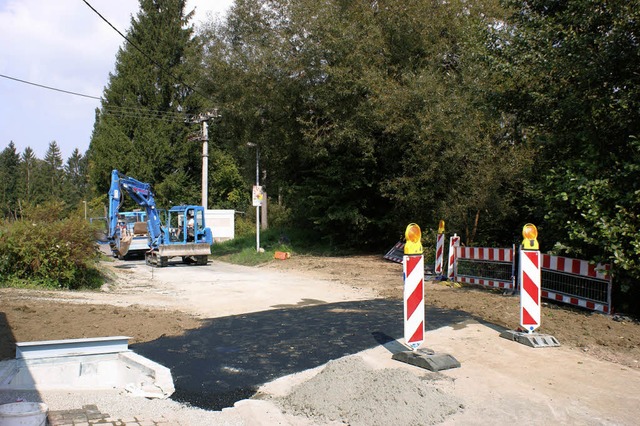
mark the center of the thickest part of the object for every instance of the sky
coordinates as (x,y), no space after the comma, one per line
(66,45)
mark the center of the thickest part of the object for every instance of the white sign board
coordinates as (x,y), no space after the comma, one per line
(258,196)
(221,223)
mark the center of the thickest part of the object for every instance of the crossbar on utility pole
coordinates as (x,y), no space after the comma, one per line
(204,137)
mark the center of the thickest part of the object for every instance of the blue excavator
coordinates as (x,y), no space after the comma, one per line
(180,233)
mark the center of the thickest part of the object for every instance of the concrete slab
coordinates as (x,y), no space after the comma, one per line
(69,347)
(62,365)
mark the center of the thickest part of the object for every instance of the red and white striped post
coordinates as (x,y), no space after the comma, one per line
(453,243)
(439,249)
(413,273)
(529,273)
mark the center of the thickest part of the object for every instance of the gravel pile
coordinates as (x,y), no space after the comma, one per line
(347,390)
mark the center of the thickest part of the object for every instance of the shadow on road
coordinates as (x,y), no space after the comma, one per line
(228,358)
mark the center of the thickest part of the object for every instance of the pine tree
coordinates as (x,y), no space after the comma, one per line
(28,169)
(75,179)
(53,171)
(9,164)
(140,128)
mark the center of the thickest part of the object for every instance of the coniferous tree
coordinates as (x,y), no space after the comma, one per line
(53,171)
(29,165)
(140,128)
(9,166)
(75,179)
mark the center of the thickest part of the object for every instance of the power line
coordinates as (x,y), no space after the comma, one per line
(117,110)
(149,114)
(49,87)
(144,53)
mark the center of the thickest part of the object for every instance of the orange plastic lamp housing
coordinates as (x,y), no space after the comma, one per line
(530,234)
(441,227)
(413,236)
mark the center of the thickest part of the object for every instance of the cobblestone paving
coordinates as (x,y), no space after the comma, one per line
(90,415)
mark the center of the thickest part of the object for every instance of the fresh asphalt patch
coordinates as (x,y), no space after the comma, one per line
(228,358)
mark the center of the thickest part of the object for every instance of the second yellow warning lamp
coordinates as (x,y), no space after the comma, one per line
(413,235)
(530,235)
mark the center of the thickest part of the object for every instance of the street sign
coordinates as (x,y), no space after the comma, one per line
(258,196)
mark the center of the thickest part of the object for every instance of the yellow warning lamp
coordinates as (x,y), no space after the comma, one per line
(441,227)
(530,234)
(413,235)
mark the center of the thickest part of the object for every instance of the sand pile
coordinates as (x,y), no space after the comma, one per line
(347,390)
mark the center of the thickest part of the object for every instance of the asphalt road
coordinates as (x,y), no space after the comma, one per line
(228,358)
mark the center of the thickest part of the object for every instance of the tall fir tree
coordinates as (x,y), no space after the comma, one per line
(29,166)
(140,128)
(75,178)
(53,171)
(9,168)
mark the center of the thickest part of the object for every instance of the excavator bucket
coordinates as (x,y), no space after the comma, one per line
(123,248)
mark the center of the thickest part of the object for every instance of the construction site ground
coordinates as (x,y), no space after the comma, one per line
(309,340)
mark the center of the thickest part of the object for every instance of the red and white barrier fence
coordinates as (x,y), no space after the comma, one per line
(566,280)
(577,282)
(576,267)
(489,267)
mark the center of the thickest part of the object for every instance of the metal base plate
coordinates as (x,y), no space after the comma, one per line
(426,358)
(534,340)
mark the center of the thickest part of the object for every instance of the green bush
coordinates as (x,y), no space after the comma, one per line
(47,251)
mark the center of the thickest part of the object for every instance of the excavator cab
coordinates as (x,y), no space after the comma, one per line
(185,224)
(184,235)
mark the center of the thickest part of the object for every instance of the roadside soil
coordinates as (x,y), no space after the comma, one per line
(30,315)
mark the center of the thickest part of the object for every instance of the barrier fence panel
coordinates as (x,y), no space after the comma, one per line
(489,267)
(577,282)
(572,281)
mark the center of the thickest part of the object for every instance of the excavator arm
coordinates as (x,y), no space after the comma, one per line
(139,192)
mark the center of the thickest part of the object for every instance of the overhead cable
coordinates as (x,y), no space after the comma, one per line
(49,87)
(121,111)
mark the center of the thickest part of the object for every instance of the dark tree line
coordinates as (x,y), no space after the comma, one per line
(488,114)
(27,181)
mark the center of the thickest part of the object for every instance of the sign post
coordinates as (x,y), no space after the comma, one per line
(530,279)
(529,275)
(257,197)
(413,272)
(414,309)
